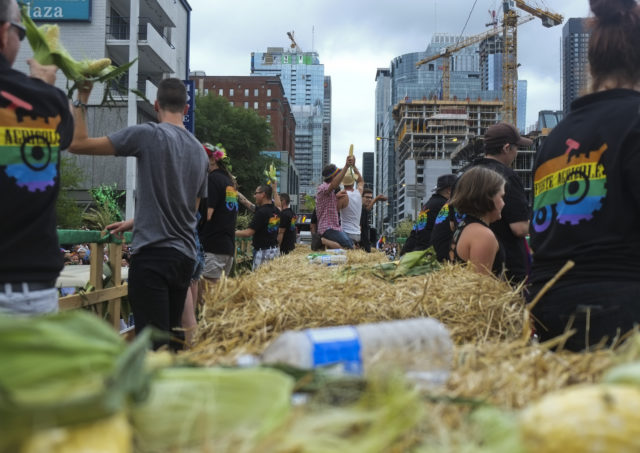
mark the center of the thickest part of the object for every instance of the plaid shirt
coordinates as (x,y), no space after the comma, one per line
(327,209)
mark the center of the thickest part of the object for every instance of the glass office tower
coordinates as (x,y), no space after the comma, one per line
(303,79)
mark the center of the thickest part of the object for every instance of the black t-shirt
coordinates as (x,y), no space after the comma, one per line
(265,223)
(37,125)
(420,236)
(587,192)
(516,209)
(288,222)
(218,233)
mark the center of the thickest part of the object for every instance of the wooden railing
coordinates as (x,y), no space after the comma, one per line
(111,295)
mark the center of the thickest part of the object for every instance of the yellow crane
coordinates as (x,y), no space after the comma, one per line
(447,52)
(510,56)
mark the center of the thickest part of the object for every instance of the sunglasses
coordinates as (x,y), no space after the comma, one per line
(22,32)
(256,193)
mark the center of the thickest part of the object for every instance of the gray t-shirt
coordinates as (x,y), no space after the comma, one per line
(172,173)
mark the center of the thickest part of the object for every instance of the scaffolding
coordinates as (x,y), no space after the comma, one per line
(433,129)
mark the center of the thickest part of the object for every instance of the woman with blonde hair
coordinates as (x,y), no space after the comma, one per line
(478,200)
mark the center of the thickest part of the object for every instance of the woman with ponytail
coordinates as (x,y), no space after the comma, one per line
(587,194)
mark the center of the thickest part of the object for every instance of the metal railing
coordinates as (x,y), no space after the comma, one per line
(118,28)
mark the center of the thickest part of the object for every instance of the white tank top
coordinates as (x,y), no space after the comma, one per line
(350,216)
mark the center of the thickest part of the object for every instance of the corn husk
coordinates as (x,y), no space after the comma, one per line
(62,370)
(192,408)
(48,50)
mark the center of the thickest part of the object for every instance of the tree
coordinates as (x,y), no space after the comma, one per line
(242,132)
(68,213)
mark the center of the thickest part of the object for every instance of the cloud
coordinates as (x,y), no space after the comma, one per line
(356,37)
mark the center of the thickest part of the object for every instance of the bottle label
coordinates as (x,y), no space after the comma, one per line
(336,345)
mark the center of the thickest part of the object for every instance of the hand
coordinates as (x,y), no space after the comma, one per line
(341,194)
(382,197)
(84,90)
(118,228)
(351,161)
(46,73)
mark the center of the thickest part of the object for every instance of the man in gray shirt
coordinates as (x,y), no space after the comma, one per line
(172,177)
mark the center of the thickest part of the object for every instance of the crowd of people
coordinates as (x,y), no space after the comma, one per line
(586,204)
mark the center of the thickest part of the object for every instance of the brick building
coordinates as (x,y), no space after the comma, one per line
(265,95)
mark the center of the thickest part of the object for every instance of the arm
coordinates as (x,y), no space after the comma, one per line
(82,143)
(246,233)
(360,185)
(338,179)
(246,203)
(342,199)
(276,196)
(46,73)
(376,199)
(520,229)
(281,234)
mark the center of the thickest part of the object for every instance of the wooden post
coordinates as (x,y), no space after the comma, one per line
(115,258)
(96,269)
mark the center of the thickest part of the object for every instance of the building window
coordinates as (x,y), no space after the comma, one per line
(268,118)
(231,103)
(246,92)
(206,91)
(230,91)
(221,92)
(268,91)
(246,105)
(255,106)
(255,92)
(268,105)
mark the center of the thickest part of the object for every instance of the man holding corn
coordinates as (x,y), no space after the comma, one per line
(172,177)
(36,124)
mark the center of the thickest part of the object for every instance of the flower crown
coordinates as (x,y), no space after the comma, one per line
(219,153)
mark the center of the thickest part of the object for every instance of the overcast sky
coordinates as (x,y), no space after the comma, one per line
(355,37)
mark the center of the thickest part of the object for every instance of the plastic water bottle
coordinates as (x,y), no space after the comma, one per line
(329,260)
(422,347)
(335,252)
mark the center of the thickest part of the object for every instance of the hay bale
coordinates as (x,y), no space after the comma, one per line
(242,315)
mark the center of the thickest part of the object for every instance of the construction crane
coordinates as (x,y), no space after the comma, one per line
(510,56)
(294,44)
(447,52)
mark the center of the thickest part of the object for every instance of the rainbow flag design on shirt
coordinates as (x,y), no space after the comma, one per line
(274,224)
(292,226)
(421,222)
(443,215)
(231,198)
(29,145)
(569,188)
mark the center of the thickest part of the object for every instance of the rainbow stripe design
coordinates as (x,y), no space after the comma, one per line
(421,222)
(443,215)
(292,226)
(29,146)
(569,188)
(231,198)
(274,224)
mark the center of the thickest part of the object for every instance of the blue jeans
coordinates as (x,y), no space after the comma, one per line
(340,237)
